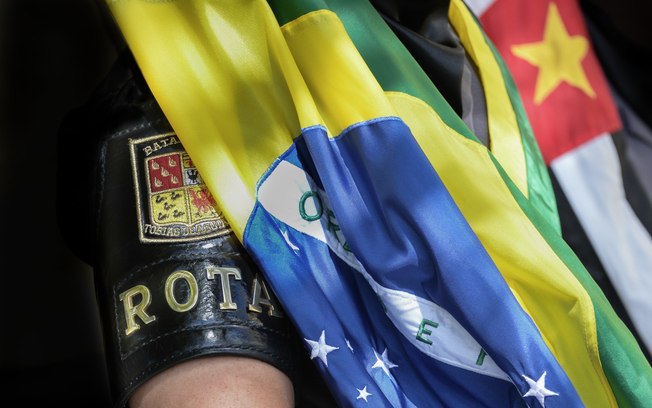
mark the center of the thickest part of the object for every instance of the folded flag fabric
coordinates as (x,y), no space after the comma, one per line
(621,45)
(547,48)
(421,268)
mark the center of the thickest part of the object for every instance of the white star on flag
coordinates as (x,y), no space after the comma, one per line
(383,362)
(349,345)
(538,389)
(320,348)
(362,393)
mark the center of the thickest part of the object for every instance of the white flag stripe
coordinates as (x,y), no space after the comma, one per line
(590,176)
(280,194)
(479,6)
(451,343)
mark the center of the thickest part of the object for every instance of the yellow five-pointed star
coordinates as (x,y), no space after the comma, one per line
(559,58)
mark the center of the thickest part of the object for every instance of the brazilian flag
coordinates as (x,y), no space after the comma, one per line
(421,267)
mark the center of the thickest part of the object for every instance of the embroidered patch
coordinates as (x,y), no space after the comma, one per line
(174,204)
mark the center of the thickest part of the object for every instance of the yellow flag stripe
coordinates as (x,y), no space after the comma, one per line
(564,313)
(342,86)
(232,90)
(227,83)
(237,104)
(504,135)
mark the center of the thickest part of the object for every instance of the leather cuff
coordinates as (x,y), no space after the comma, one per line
(172,280)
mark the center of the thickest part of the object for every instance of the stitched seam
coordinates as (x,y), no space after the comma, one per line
(131,129)
(100,194)
(188,256)
(241,324)
(274,356)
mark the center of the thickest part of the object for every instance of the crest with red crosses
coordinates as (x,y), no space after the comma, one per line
(174,204)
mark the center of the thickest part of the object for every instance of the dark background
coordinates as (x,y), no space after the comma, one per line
(52,53)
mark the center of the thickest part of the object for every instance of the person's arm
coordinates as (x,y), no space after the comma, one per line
(187,316)
(224,381)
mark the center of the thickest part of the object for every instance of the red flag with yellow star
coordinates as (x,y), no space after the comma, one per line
(602,209)
(546,47)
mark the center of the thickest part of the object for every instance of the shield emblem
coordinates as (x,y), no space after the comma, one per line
(174,204)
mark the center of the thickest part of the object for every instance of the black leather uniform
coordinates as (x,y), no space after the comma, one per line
(172,281)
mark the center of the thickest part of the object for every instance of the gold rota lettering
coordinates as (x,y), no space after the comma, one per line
(224,273)
(257,290)
(131,310)
(193,291)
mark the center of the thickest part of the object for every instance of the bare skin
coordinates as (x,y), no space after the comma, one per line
(224,381)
